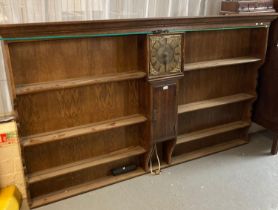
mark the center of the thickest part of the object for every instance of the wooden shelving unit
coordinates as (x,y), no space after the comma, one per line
(190,107)
(71,83)
(80,116)
(211,131)
(101,95)
(82,130)
(219,63)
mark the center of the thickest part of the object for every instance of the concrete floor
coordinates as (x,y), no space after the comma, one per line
(244,178)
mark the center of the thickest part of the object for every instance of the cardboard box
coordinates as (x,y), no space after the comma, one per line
(11,169)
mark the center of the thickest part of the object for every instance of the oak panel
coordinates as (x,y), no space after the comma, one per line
(214,45)
(206,118)
(217,82)
(44,61)
(60,109)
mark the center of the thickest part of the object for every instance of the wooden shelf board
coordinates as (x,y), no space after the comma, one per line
(200,134)
(82,188)
(205,104)
(218,63)
(207,151)
(83,164)
(70,83)
(82,130)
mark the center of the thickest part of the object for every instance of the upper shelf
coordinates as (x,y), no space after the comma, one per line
(69,83)
(218,63)
(82,130)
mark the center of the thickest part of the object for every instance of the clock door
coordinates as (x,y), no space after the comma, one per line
(164,112)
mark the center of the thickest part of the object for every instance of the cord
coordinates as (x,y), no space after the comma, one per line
(157,171)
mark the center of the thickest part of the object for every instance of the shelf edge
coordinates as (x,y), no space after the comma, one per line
(219,63)
(213,102)
(78,82)
(83,130)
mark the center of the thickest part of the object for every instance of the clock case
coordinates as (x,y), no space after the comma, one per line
(164,61)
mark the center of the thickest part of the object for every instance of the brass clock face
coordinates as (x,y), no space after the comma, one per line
(165,55)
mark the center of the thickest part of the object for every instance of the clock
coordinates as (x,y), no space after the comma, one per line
(165,54)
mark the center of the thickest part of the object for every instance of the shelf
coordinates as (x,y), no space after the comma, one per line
(83,164)
(82,130)
(214,102)
(208,151)
(82,188)
(218,63)
(211,131)
(70,83)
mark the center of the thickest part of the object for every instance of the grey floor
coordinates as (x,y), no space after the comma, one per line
(244,178)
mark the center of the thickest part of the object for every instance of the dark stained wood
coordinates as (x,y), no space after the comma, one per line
(164,109)
(274,148)
(265,109)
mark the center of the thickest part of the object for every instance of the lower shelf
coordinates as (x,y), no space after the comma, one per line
(75,190)
(211,131)
(207,151)
(87,163)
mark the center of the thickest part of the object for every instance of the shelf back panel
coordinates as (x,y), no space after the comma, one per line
(43,61)
(207,118)
(81,147)
(59,109)
(218,82)
(209,141)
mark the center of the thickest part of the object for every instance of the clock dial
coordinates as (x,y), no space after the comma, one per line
(165,55)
